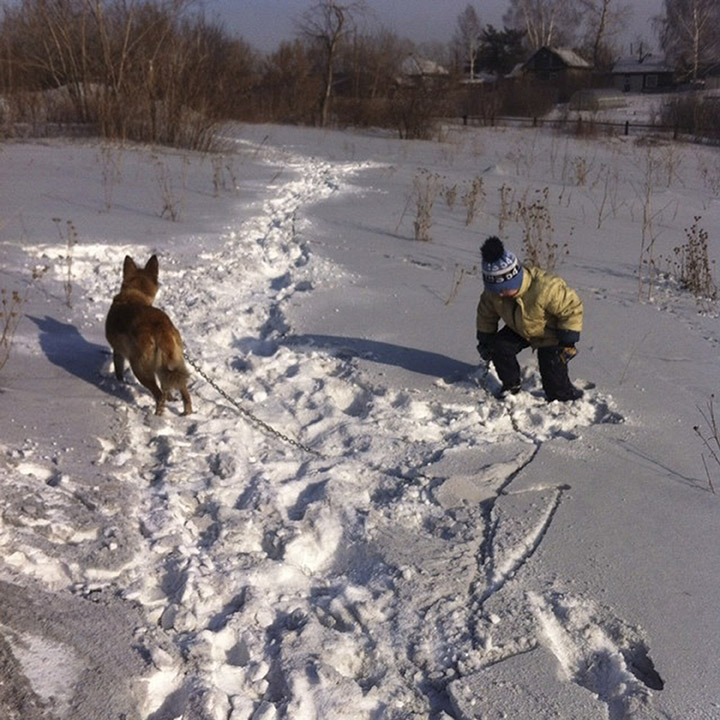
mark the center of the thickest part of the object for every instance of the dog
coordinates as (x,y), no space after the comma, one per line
(146,337)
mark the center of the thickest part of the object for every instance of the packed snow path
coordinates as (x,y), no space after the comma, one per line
(286,584)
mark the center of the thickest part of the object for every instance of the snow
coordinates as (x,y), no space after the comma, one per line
(350,524)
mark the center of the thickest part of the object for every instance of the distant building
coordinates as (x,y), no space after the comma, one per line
(561,69)
(642,75)
(415,67)
(551,65)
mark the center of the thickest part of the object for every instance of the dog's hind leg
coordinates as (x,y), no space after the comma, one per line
(187,403)
(148,380)
(173,375)
(119,363)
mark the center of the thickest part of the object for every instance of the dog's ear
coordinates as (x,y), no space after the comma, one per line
(152,267)
(129,266)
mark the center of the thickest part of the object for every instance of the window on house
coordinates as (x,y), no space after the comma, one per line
(651,81)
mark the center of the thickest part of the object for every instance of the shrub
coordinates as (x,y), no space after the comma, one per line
(11,313)
(473,198)
(525,99)
(537,227)
(695,115)
(426,187)
(693,268)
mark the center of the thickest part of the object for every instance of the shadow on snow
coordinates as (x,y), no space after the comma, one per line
(418,361)
(65,347)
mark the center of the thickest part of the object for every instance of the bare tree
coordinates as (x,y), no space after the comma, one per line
(546,22)
(372,63)
(689,32)
(288,86)
(603,18)
(149,70)
(326,25)
(467,39)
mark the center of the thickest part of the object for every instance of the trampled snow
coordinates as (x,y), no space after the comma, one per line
(350,524)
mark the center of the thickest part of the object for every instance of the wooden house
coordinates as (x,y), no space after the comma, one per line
(642,75)
(561,69)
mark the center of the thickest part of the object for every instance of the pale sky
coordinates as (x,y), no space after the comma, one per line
(265,23)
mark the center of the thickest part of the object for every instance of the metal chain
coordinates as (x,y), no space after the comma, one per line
(247,414)
(483,377)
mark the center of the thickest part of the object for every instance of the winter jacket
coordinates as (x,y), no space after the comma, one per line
(546,311)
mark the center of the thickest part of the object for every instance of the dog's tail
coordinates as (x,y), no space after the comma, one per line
(170,363)
(173,373)
(170,367)
(173,378)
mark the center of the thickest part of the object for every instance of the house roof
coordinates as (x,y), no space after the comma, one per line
(633,66)
(416,65)
(569,57)
(516,72)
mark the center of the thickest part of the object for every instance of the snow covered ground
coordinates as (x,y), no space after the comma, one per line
(404,545)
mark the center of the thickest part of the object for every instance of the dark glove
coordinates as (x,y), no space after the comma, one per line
(484,344)
(484,351)
(567,353)
(567,337)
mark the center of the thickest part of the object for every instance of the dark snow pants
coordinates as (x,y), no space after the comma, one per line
(504,347)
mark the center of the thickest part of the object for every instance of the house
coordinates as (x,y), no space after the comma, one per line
(642,74)
(415,66)
(552,64)
(561,69)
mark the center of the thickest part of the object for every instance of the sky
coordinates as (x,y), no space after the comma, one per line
(266,23)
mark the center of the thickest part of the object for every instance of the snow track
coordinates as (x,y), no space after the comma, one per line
(283,584)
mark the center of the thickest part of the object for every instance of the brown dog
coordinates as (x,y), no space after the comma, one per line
(146,337)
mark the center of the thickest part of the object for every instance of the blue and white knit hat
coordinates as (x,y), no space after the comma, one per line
(501,269)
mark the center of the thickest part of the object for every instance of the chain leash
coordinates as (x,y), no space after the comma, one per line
(484,375)
(248,415)
(255,420)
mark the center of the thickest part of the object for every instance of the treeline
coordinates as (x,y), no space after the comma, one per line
(148,70)
(157,71)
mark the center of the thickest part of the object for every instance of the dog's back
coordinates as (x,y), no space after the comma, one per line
(145,336)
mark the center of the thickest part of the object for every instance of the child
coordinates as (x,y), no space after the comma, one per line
(538,310)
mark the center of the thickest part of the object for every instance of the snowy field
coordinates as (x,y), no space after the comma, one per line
(403,545)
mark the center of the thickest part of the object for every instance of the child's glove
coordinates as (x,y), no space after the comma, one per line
(567,353)
(483,346)
(484,351)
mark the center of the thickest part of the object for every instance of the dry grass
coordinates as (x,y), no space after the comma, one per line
(426,188)
(69,237)
(473,199)
(11,313)
(693,267)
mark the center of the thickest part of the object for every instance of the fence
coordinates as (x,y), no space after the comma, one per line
(585,126)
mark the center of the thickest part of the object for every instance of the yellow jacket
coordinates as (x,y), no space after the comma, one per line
(546,311)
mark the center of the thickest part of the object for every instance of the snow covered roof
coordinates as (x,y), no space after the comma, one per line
(631,65)
(516,72)
(416,65)
(570,57)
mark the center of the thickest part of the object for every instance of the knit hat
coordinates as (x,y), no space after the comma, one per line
(501,269)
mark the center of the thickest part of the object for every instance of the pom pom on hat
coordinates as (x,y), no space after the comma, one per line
(501,269)
(492,250)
